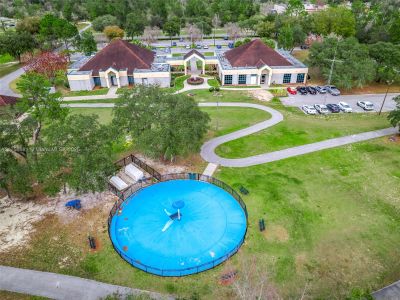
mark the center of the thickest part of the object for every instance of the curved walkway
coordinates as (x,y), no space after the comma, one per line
(57,286)
(208,149)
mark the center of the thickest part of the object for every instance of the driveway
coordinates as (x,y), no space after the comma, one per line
(376,99)
(6,80)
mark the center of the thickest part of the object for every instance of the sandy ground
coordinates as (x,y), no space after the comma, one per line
(261,95)
(18,217)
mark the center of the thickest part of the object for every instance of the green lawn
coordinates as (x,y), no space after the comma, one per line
(6,69)
(6,58)
(222,96)
(299,129)
(178,84)
(96,92)
(213,82)
(104,114)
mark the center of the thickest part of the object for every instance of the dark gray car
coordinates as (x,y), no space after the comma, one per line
(333,90)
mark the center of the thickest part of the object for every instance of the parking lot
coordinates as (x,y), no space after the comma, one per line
(376,99)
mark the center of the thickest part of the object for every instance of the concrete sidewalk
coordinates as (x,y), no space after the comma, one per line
(57,286)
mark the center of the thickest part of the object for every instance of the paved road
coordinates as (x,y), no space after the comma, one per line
(208,149)
(6,80)
(390,292)
(376,99)
(57,286)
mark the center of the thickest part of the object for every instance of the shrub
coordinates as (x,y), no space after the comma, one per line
(103,21)
(211,89)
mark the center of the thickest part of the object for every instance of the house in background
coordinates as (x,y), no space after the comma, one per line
(119,64)
(8,100)
(255,63)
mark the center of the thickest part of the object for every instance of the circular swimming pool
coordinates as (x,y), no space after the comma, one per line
(178,227)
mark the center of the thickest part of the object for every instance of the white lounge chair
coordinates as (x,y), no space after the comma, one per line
(118,183)
(133,172)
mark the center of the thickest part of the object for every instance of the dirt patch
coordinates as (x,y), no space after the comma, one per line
(394,139)
(276,233)
(261,95)
(300,261)
(17,218)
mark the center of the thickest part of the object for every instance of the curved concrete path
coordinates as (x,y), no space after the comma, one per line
(57,286)
(208,149)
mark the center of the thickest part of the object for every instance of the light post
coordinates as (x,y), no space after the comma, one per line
(331,70)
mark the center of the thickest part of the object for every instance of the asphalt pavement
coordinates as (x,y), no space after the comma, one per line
(376,99)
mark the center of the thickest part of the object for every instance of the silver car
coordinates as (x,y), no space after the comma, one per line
(309,110)
(366,105)
(321,89)
(333,90)
(322,109)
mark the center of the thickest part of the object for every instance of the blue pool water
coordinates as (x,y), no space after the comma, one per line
(209,227)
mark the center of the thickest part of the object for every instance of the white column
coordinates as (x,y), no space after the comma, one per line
(269,77)
(184,65)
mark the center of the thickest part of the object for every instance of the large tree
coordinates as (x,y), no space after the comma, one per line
(338,20)
(48,64)
(43,106)
(113,32)
(161,124)
(172,27)
(387,57)
(353,66)
(102,22)
(16,43)
(82,158)
(135,24)
(86,43)
(394,116)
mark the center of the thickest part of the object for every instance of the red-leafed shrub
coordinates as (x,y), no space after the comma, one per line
(48,64)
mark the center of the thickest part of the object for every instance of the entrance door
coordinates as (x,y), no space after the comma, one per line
(263,78)
(113,80)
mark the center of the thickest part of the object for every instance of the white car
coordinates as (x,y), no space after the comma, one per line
(309,110)
(345,107)
(366,105)
(187,46)
(205,46)
(322,109)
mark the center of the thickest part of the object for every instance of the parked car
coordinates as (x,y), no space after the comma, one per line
(231,45)
(198,46)
(187,46)
(302,90)
(321,89)
(333,90)
(225,38)
(322,109)
(366,105)
(292,90)
(345,107)
(311,90)
(309,110)
(205,46)
(219,46)
(304,47)
(333,108)
(181,39)
(173,44)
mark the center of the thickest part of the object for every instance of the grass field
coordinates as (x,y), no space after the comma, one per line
(332,218)
(95,92)
(6,69)
(299,129)
(6,58)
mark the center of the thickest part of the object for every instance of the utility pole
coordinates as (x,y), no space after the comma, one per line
(333,61)
(389,83)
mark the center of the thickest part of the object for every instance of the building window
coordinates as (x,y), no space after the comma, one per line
(228,79)
(300,78)
(97,81)
(130,80)
(287,78)
(242,79)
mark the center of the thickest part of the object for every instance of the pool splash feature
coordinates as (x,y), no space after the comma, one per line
(178,227)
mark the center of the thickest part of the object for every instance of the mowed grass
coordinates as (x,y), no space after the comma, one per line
(223,119)
(6,69)
(332,219)
(299,129)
